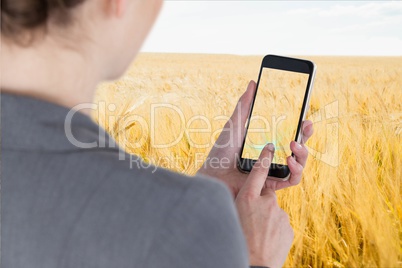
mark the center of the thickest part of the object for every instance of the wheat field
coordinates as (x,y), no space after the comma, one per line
(347,211)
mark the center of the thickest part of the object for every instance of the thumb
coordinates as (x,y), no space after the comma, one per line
(234,129)
(241,112)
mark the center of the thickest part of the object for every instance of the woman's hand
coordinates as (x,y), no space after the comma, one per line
(227,150)
(265,225)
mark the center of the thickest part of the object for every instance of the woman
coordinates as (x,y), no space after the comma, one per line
(65,205)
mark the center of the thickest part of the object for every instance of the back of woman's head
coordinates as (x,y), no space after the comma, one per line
(107,34)
(19,18)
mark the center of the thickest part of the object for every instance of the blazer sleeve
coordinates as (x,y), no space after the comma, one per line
(202,231)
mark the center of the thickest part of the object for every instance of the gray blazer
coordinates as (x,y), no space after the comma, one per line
(64,206)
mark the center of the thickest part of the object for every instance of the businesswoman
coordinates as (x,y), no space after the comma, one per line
(65,205)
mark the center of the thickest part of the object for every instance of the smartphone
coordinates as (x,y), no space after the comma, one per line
(276,115)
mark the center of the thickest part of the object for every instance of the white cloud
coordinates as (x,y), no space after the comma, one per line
(290,28)
(366,10)
(371,25)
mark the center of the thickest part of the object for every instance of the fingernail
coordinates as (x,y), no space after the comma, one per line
(251,83)
(298,146)
(291,159)
(271,147)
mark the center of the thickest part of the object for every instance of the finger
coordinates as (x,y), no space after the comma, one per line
(269,193)
(308,131)
(256,179)
(300,151)
(241,112)
(296,171)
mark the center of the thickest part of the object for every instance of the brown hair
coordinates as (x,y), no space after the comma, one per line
(20,17)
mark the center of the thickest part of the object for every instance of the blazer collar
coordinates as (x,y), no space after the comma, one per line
(30,124)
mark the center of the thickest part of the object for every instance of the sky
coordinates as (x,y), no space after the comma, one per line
(279,27)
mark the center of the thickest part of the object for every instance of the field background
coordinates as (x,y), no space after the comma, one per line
(347,211)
